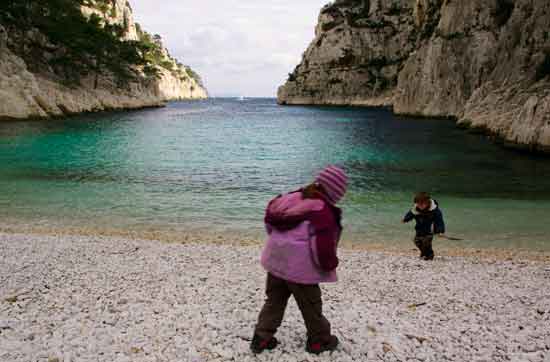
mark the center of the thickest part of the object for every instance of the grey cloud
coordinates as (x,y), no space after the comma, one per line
(239,46)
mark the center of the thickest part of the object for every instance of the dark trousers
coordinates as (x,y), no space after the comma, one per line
(424,244)
(308,298)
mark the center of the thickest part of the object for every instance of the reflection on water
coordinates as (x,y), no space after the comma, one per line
(214,164)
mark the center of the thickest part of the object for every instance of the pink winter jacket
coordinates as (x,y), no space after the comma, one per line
(303,238)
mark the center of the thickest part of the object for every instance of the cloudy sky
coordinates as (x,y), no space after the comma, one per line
(239,47)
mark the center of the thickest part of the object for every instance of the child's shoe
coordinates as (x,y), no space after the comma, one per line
(258,345)
(319,347)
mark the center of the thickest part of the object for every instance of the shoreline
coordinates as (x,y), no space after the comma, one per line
(234,238)
(74,298)
(532,150)
(125,109)
(59,117)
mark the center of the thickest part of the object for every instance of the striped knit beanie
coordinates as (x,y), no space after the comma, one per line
(334,181)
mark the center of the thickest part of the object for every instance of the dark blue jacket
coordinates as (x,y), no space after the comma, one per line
(425,220)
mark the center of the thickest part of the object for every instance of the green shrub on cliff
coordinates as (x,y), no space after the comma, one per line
(83,45)
(193,75)
(153,52)
(106,7)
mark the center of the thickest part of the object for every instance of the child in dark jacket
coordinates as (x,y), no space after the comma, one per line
(303,231)
(429,221)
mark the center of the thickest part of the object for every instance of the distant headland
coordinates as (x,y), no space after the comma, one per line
(61,57)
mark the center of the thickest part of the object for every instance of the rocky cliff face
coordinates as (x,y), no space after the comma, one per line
(113,12)
(32,87)
(484,63)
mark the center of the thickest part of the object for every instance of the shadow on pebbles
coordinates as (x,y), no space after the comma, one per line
(73,298)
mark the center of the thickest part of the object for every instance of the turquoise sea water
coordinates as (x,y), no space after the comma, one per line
(212,165)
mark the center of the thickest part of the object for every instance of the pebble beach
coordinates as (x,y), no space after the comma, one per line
(98,298)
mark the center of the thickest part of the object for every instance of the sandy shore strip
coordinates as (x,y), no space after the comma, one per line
(239,238)
(95,298)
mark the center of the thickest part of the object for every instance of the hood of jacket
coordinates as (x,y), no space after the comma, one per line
(288,211)
(416,211)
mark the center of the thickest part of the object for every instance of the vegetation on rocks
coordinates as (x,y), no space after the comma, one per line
(194,75)
(64,57)
(156,56)
(78,45)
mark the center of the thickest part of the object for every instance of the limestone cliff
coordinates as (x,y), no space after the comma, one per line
(113,12)
(485,63)
(42,76)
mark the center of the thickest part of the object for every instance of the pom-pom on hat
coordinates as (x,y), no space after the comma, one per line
(334,181)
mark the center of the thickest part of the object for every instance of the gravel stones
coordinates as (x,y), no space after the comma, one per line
(99,298)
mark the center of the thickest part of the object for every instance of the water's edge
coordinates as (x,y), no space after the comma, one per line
(491,135)
(442,248)
(211,166)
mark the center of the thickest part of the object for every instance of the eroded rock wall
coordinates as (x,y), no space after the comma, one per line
(116,12)
(24,94)
(35,91)
(485,63)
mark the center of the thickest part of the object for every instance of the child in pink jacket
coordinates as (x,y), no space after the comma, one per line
(304,228)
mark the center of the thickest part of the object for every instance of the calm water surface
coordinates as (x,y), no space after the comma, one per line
(212,165)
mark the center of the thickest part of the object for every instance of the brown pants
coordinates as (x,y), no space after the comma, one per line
(308,298)
(424,244)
